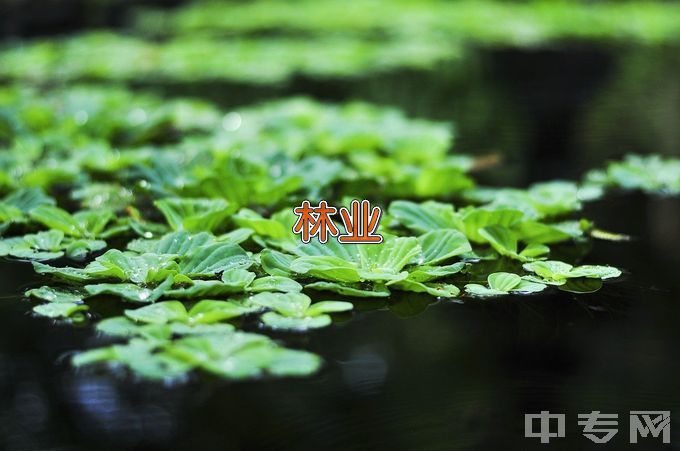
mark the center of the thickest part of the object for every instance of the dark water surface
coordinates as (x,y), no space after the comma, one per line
(447,375)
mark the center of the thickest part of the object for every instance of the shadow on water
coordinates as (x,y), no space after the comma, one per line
(454,375)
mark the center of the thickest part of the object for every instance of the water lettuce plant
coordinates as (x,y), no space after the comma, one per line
(268,42)
(60,303)
(179,216)
(557,272)
(222,352)
(502,283)
(106,56)
(524,23)
(648,173)
(295,311)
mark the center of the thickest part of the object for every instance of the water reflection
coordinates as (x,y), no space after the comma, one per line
(365,371)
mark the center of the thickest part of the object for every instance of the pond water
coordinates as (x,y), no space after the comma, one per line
(413,375)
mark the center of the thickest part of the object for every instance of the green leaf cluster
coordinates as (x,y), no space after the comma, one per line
(649,173)
(270,42)
(525,23)
(183,214)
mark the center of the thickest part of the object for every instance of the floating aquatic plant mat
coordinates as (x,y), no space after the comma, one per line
(504,23)
(268,41)
(182,216)
(105,56)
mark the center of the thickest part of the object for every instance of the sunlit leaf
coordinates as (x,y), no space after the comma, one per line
(145,268)
(59,309)
(274,283)
(557,271)
(261,226)
(328,307)
(129,291)
(57,219)
(294,311)
(354,290)
(423,217)
(51,294)
(64,273)
(176,243)
(503,281)
(194,215)
(159,313)
(427,273)
(210,311)
(213,259)
(439,245)
(474,220)
(327,267)
(444,290)
(276,321)
(276,263)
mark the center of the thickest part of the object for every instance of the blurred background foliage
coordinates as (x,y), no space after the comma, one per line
(554,87)
(513,76)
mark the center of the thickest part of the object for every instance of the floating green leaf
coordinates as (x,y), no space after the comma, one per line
(51,294)
(354,290)
(504,241)
(423,217)
(219,245)
(129,291)
(443,244)
(274,283)
(48,245)
(175,243)
(557,272)
(206,261)
(125,266)
(60,309)
(194,215)
(295,311)
(502,283)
